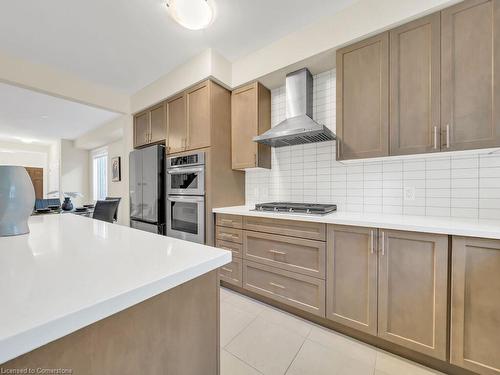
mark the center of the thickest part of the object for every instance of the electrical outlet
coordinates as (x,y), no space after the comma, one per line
(409,193)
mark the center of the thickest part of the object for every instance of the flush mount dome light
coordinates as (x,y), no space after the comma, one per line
(192,14)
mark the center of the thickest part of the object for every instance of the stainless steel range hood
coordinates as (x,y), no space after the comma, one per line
(299,127)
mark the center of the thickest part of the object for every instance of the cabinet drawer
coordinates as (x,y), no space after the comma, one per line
(291,254)
(300,291)
(231,272)
(302,229)
(231,221)
(229,234)
(236,248)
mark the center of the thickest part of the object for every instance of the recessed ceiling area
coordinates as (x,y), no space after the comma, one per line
(128,44)
(32,116)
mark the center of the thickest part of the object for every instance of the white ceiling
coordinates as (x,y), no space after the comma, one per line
(127,44)
(29,115)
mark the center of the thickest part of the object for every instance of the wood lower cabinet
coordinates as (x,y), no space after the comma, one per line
(475,310)
(471,75)
(176,120)
(292,228)
(415,63)
(293,289)
(363,99)
(232,272)
(413,291)
(351,297)
(250,117)
(231,221)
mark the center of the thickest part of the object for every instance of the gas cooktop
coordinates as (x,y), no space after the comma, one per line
(298,208)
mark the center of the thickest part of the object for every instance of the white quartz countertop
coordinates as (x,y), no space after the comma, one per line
(72,271)
(428,224)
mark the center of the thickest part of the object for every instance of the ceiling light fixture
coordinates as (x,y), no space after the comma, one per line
(192,14)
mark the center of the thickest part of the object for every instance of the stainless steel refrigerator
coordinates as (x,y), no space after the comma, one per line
(147,189)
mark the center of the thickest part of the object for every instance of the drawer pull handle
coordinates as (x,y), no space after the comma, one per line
(226,248)
(227,269)
(225,235)
(277,285)
(277,252)
(226,221)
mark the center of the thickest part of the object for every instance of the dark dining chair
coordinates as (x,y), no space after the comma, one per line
(115,199)
(105,210)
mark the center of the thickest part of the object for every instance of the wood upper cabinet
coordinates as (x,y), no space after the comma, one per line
(471,75)
(198,116)
(363,99)
(415,87)
(250,116)
(352,266)
(177,126)
(475,310)
(158,124)
(413,291)
(141,129)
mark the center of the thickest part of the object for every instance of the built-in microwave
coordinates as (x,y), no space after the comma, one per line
(186,174)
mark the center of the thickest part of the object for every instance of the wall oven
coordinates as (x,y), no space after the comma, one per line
(186,197)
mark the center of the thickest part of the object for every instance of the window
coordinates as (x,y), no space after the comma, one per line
(100,174)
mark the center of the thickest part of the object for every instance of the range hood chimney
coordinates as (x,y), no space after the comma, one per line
(299,127)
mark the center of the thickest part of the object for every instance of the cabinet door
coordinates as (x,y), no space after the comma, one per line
(471,75)
(475,311)
(415,65)
(244,126)
(198,116)
(176,124)
(363,99)
(141,129)
(158,124)
(351,291)
(413,278)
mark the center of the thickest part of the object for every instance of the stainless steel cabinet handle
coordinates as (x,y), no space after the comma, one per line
(277,252)
(383,243)
(227,221)
(277,285)
(227,269)
(371,241)
(447,135)
(435,137)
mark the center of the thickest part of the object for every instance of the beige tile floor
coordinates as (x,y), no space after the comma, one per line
(257,339)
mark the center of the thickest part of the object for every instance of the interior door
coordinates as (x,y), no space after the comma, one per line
(415,65)
(135,186)
(413,291)
(150,184)
(471,75)
(363,99)
(158,124)
(351,291)
(198,116)
(176,124)
(475,309)
(141,129)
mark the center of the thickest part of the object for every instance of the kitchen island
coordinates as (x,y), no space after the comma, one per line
(87,297)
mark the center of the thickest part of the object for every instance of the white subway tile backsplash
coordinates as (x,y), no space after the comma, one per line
(448,184)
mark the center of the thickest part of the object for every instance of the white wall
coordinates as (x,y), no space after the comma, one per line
(456,184)
(27,155)
(75,171)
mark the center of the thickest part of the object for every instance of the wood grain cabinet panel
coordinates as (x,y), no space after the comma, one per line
(471,75)
(198,116)
(141,129)
(302,229)
(413,291)
(158,125)
(231,221)
(415,65)
(232,272)
(351,290)
(177,125)
(235,248)
(293,254)
(250,116)
(475,311)
(229,234)
(300,291)
(363,99)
